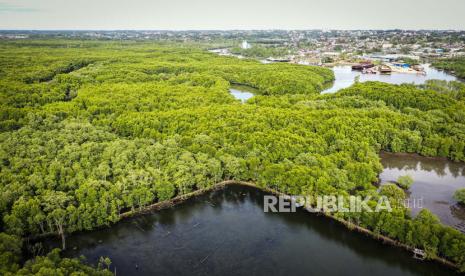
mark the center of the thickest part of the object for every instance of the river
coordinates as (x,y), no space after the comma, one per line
(435,181)
(226,232)
(345,77)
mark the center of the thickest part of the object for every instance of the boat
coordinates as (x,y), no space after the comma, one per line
(369,71)
(271,59)
(420,70)
(384,69)
(419,254)
(362,65)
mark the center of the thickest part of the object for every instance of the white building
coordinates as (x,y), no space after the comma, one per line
(245,45)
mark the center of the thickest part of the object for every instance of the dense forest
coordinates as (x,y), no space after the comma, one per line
(90,130)
(262,51)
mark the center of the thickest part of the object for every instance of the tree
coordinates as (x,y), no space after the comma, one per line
(405,181)
(10,253)
(153,122)
(53,264)
(393,192)
(55,205)
(104,261)
(459,195)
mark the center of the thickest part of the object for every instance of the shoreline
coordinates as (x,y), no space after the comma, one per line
(220,185)
(450,72)
(413,154)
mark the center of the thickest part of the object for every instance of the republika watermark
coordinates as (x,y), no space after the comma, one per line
(332,203)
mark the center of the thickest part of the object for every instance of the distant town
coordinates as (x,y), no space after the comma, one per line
(392,51)
(370,51)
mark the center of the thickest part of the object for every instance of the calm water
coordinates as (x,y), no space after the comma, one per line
(226,232)
(242,92)
(435,181)
(345,77)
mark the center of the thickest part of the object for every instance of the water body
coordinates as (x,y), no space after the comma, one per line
(226,232)
(242,92)
(435,181)
(344,77)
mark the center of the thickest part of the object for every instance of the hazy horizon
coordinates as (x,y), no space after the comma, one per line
(219,30)
(178,15)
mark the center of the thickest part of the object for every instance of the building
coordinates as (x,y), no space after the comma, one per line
(245,45)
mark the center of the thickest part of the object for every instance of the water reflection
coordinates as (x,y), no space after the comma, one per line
(242,92)
(344,77)
(226,232)
(435,181)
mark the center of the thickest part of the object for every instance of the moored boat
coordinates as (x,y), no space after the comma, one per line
(363,65)
(384,69)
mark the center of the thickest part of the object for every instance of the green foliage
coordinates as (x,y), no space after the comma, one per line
(261,51)
(104,261)
(454,89)
(393,192)
(459,195)
(455,65)
(53,264)
(405,181)
(10,253)
(90,132)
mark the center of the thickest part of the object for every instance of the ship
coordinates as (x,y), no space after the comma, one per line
(362,65)
(271,59)
(420,70)
(384,69)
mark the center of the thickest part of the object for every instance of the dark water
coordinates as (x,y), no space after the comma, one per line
(226,232)
(242,92)
(345,76)
(435,181)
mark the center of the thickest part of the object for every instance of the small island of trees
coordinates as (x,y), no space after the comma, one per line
(459,195)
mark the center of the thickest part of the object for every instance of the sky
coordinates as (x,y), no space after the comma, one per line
(231,14)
